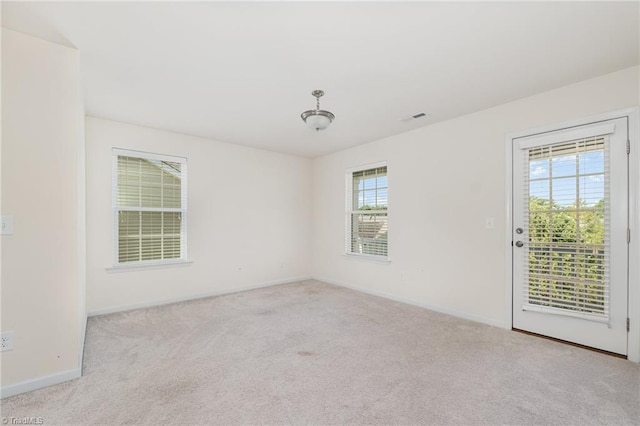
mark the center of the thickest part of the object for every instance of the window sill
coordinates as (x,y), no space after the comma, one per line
(148,266)
(367,258)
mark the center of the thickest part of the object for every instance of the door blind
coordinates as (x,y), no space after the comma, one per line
(566,232)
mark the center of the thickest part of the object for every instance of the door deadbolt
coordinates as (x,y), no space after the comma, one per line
(519,231)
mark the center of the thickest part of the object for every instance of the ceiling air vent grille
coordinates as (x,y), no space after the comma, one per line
(414,117)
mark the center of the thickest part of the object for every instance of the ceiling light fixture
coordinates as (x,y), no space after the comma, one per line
(317,119)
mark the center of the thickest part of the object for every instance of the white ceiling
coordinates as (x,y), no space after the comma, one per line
(243,72)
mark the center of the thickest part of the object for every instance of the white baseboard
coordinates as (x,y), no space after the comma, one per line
(83,337)
(395,298)
(150,304)
(40,382)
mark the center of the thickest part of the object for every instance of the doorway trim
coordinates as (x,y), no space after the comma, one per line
(633,309)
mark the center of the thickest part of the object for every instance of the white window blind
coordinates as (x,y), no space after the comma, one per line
(367,203)
(567,229)
(150,207)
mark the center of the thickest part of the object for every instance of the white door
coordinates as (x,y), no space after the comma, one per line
(570,221)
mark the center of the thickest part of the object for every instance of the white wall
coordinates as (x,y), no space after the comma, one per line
(248,218)
(42,164)
(445,179)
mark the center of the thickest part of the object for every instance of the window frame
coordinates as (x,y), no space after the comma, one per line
(118,152)
(349,212)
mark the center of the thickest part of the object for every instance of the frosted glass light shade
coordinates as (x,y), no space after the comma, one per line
(317,119)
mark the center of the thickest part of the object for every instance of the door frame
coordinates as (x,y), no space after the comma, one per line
(633,309)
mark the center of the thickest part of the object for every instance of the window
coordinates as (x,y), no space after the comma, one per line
(367,223)
(150,208)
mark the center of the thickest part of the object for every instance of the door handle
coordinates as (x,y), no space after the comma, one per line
(519,243)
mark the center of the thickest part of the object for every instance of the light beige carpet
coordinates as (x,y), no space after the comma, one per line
(312,353)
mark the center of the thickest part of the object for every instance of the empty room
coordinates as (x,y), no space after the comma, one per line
(322,213)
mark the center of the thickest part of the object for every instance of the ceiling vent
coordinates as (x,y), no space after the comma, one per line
(414,117)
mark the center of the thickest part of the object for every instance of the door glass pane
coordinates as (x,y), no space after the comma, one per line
(563,166)
(539,168)
(567,237)
(591,162)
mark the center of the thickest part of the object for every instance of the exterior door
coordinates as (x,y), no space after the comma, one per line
(570,249)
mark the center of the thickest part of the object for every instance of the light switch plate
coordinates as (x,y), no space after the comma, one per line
(7,225)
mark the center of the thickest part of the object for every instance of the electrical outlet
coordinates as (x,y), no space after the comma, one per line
(490,223)
(6,339)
